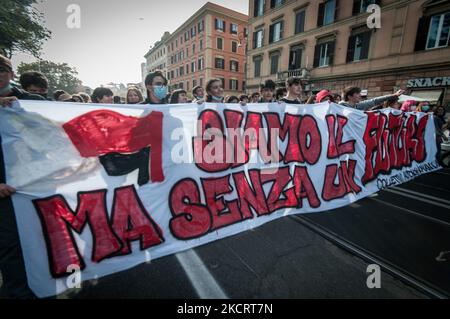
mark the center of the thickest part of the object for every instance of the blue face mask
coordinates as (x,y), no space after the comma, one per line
(6,89)
(160,92)
(425,108)
(217,98)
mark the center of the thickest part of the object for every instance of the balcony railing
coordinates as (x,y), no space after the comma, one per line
(302,73)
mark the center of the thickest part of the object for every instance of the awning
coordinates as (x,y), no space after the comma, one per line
(430,96)
(405,98)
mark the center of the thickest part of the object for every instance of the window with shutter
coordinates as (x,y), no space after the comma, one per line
(351,48)
(219,43)
(365,45)
(439,31)
(320,14)
(234,46)
(330,53)
(324,53)
(233,28)
(271,33)
(274,63)
(299,22)
(259,7)
(276,32)
(422,33)
(276,3)
(356,7)
(257,67)
(316,55)
(329,12)
(295,58)
(258,39)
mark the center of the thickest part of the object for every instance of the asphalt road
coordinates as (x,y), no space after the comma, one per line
(406,230)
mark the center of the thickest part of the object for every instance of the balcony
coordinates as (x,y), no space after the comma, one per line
(302,73)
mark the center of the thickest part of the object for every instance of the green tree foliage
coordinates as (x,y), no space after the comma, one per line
(21,27)
(60,76)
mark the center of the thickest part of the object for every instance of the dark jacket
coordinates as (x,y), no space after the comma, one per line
(24,95)
(285,100)
(148,101)
(262,101)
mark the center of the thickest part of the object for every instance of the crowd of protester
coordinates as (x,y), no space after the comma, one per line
(35,87)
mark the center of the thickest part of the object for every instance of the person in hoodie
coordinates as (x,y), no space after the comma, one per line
(156,85)
(353,99)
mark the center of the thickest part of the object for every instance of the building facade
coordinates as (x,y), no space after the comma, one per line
(143,73)
(156,57)
(210,44)
(336,43)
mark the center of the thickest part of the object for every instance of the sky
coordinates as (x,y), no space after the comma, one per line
(113,36)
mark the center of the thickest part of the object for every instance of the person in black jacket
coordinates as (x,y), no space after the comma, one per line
(268,92)
(8,92)
(294,86)
(12,265)
(35,83)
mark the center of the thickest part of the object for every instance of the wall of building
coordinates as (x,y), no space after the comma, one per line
(209,36)
(391,60)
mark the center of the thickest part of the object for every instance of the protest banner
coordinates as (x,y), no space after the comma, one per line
(103,188)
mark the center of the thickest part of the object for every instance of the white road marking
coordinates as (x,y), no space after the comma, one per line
(442,255)
(201,279)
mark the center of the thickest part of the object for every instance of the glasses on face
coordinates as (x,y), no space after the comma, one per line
(158,84)
(4,70)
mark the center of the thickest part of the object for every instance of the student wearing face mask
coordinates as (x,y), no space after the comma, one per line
(199,93)
(156,84)
(423,107)
(214,91)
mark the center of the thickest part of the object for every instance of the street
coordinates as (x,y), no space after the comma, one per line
(406,230)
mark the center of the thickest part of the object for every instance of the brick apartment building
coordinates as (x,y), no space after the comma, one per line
(210,44)
(329,44)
